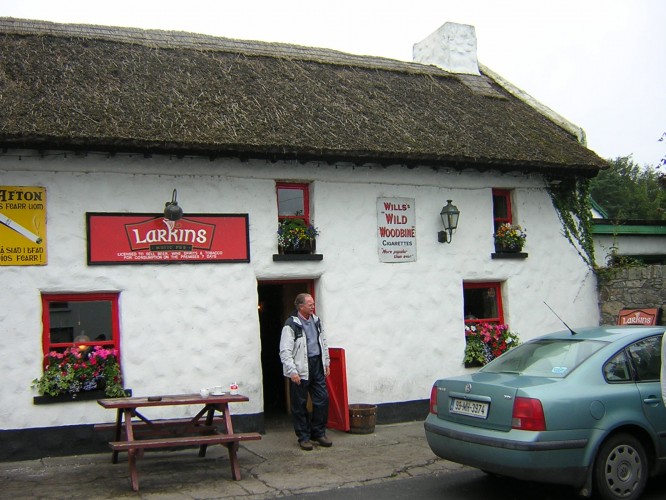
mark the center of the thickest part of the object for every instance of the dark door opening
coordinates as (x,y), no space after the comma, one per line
(276,302)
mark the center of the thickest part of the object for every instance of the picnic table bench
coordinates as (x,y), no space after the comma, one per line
(134,436)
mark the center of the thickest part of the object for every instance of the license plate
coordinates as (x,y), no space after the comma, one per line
(469,408)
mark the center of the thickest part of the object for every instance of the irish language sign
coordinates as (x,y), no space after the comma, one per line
(147,238)
(22,226)
(396,229)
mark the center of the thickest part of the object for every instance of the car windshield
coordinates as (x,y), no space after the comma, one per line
(545,357)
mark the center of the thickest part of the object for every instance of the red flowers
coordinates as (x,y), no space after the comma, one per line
(81,368)
(486,341)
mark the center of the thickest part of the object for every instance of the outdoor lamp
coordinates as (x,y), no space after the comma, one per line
(449,215)
(171,209)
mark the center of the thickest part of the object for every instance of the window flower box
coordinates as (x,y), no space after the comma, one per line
(79,370)
(486,341)
(296,237)
(510,238)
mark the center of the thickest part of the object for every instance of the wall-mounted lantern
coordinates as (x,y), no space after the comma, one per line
(171,209)
(449,214)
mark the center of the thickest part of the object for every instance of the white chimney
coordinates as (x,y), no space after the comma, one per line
(452,47)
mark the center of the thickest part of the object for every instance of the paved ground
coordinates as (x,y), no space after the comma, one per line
(273,467)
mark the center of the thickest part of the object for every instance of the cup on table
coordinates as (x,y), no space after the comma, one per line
(204,392)
(217,390)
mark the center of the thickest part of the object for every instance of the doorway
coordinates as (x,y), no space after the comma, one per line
(276,303)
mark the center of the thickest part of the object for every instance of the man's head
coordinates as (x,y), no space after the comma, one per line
(304,304)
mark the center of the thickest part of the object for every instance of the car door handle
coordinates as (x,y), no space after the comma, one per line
(652,400)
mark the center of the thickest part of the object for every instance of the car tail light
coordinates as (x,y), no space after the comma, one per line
(433,400)
(528,415)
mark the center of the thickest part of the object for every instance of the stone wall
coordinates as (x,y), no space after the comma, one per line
(631,287)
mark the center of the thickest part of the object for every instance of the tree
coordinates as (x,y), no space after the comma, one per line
(628,191)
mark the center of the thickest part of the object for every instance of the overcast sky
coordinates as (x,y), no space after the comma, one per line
(599,63)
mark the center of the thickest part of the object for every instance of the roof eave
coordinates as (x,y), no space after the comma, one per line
(302,155)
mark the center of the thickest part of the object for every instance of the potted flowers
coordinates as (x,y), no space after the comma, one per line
(295,236)
(509,238)
(486,341)
(80,369)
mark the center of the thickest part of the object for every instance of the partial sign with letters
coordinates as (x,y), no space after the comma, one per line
(22,226)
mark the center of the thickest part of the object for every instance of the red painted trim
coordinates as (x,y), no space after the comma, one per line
(497,286)
(338,409)
(305,188)
(506,194)
(47,298)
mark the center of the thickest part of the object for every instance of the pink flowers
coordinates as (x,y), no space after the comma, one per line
(81,368)
(486,341)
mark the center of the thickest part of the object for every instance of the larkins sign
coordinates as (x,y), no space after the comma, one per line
(642,316)
(147,238)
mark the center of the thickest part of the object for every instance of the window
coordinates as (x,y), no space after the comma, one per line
(646,358)
(80,319)
(642,359)
(616,369)
(293,201)
(501,207)
(545,358)
(483,303)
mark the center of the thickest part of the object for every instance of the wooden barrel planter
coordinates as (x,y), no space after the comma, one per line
(362,418)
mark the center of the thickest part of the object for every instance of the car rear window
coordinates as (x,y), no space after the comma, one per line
(545,358)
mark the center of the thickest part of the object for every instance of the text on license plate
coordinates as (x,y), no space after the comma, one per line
(470,408)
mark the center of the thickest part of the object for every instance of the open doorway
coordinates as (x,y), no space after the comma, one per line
(276,302)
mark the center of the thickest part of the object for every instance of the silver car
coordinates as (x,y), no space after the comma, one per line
(579,408)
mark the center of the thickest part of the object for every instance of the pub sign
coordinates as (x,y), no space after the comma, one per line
(115,238)
(639,316)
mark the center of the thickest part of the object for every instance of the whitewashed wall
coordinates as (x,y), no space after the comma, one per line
(188,326)
(626,245)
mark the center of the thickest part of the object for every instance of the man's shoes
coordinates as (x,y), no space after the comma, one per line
(305,445)
(324,441)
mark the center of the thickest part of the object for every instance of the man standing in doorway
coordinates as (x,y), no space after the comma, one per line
(305,360)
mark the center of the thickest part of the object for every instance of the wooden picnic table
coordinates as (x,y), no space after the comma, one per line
(134,432)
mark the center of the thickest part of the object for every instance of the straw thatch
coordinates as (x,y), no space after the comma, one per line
(127,90)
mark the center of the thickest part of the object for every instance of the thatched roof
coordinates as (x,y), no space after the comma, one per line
(128,90)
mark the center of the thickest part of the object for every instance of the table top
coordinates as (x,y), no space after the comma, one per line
(171,400)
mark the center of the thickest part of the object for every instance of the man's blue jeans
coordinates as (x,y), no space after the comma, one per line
(307,428)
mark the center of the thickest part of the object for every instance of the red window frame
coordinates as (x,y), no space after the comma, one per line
(498,220)
(302,187)
(497,287)
(48,298)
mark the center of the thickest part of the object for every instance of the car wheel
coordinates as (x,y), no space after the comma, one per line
(621,468)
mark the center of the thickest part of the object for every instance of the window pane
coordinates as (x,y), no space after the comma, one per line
(500,207)
(290,202)
(544,358)
(480,303)
(83,321)
(617,369)
(646,356)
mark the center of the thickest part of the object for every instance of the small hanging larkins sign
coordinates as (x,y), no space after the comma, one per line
(639,316)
